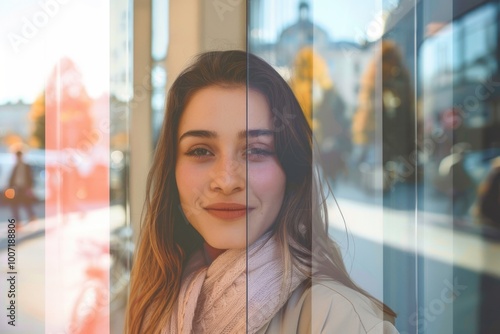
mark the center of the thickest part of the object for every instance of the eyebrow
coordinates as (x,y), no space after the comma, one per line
(255,133)
(213,134)
(198,134)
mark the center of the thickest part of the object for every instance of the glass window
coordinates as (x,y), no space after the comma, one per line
(479,39)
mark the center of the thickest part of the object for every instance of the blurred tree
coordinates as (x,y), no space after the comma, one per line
(323,108)
(386,96)
(67,99)
(309,81)
(13,140)
(37,118)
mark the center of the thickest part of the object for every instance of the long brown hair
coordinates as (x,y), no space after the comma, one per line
(166,241)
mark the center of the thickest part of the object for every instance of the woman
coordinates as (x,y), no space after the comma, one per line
(232,214)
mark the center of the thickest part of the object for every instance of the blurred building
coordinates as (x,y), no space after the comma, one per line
(345,59)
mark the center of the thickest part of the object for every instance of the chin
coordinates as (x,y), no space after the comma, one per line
(226,238)
(222,243)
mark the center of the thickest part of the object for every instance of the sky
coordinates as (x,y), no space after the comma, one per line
(342,19)
(33,38)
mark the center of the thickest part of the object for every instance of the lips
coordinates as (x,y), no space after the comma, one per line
(227,211)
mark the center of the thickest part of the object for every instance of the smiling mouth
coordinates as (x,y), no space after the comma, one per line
(227,211)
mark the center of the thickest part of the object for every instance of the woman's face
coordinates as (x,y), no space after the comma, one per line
(212,160)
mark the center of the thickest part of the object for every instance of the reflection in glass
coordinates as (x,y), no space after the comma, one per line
(421,102)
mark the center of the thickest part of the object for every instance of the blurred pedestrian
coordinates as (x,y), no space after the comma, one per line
(489,195)
(454,180)
(21,182)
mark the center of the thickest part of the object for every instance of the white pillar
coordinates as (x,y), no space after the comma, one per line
(140,111)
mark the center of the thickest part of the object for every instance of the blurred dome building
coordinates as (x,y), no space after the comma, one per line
(300,34)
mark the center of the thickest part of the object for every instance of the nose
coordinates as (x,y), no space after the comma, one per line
(228,176)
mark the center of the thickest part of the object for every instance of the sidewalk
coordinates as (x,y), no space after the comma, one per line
(430,235)
(38,227)
(26,232)
(51,269)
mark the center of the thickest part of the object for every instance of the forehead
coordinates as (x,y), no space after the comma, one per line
(226,107)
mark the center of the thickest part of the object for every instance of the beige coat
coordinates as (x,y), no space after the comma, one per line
(328,307)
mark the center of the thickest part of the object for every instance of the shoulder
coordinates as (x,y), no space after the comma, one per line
(335,306)
(329,307)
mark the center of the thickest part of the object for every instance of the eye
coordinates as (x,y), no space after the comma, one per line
(256,153)
(199,152)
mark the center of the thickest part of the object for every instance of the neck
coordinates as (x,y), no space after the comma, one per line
(211,252)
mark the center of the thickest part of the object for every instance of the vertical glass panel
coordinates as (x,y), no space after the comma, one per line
(121,246)
(23,177)
(354,87)
(159,47)
(457,151)
(415,83)
(56,86)
(77,136)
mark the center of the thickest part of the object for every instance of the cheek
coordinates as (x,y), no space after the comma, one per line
(189,181)
(267,181)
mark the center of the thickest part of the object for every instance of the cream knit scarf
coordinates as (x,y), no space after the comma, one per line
(215,299)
